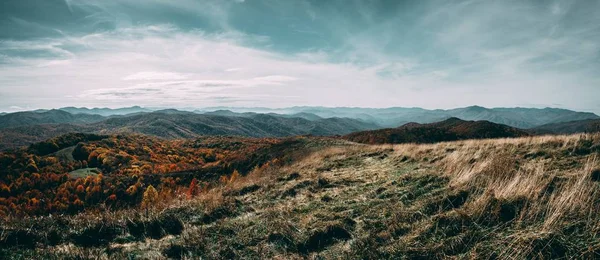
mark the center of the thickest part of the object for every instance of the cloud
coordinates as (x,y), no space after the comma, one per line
(274,79)
(285,53)
(154,75)
(173,91)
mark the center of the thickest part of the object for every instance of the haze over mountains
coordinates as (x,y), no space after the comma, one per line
(23,128)
(104,111)
(46,117)
(384,117)
(396,116)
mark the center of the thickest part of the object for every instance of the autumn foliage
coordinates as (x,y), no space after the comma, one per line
(150,197)
(37,180)
(193,190)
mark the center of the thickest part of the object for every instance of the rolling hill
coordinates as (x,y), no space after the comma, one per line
(47,117)
(23,128)
(106,111)
(307,116)
(394,116)
(524,118)
(187,124)
(15,137)
(175,124)
(451,129)
(571,127)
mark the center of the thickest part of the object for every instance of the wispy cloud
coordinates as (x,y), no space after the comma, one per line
(155,75)
(274,79)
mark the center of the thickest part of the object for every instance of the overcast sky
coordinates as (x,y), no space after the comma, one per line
(278,53)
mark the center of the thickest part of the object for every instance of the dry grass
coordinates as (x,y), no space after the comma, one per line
(533,197)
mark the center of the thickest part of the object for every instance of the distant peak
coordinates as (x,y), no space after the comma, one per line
(476,108)
(454,119)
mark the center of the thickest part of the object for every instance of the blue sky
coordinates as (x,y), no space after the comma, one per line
(274,53)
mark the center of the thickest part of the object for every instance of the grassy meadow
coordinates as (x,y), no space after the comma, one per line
(521,198)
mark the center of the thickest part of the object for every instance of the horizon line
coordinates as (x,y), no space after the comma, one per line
(192,109)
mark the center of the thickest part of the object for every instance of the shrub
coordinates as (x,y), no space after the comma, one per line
(150,197)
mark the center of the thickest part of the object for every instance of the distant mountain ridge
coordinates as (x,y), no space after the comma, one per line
(23,128)
(181,124)
(451,129)
(571,127)
(524,118)
(105,111)
(187,124)
(395,116)
(48,117)
(307,116)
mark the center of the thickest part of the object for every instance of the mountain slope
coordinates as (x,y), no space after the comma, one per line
(524,118)
(105,111)
(187,124)
(307,116)
(580,126)
(15,137)
(394,116)
(449,130)
(181,124)
(520,117)
(48,117)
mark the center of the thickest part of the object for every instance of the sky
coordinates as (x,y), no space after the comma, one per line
(281,53)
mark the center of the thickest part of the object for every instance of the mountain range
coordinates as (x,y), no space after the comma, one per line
(102,111)
(24,128)
(188,124)
(395,116)
(524,118)
(53,116)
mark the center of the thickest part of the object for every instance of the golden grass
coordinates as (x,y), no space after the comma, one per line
(492,167)
(524,198)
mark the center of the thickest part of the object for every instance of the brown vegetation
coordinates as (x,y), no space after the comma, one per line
(531,197)
(53,176)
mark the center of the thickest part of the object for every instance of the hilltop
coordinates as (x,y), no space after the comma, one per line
(47,117)
(106,111)
(451,129)
(571,127)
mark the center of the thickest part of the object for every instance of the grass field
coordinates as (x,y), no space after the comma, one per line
(524,198)
(66,154)
(83,173)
